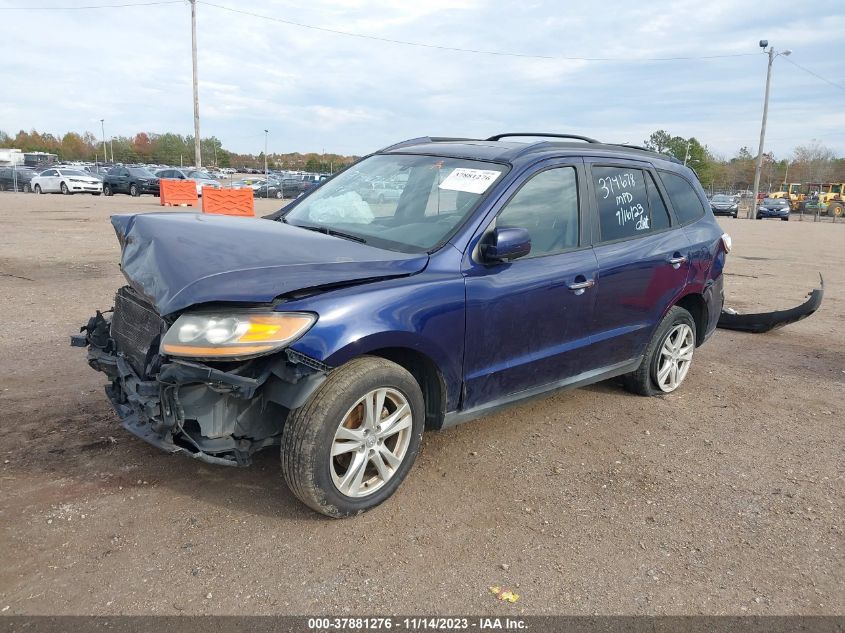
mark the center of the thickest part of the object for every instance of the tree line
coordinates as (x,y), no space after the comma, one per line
(167,149)
(812,162)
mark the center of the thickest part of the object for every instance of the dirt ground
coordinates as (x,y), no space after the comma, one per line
(723,498)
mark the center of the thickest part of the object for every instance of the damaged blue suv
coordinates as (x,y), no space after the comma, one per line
(339,328)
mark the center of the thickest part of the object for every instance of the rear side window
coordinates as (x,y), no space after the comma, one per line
(684,199)
(628,203)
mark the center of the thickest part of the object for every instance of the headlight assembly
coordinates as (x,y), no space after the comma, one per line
(234,334)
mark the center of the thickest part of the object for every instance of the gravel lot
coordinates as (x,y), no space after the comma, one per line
(724,498)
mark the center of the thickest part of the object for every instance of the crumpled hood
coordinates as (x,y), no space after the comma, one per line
(180,259)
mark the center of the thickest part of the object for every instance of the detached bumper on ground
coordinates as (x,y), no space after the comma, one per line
(766,321)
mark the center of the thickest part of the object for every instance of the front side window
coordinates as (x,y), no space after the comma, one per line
(624,201)
(431,198)
(547,207)
(684,199)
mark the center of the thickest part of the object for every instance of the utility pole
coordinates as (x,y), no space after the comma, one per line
(197,149)
(266,174)
(103,128)
(752,211)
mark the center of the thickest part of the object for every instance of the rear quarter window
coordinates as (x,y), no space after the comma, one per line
(684,199)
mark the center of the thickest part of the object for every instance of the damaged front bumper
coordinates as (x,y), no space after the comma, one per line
(220,415)
(766,321)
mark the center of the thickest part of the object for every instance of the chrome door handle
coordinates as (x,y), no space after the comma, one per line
(677,261)
(579,287)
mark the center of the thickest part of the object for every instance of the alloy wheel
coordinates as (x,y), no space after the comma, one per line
(371,442)
(675,357)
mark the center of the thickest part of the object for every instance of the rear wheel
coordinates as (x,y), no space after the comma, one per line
(27,188)
(351,445)
(668,356)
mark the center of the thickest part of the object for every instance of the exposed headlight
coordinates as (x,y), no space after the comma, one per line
(734,206)
(231,335)
(762,209)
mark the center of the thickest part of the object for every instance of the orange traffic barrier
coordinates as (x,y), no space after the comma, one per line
(228,201)
(178,193)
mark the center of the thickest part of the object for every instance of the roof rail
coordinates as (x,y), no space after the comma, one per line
(577,137)
(423,139)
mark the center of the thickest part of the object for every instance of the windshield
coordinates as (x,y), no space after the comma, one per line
(399,202)
(719,198)
(775,202)
(73,172)
(141,172)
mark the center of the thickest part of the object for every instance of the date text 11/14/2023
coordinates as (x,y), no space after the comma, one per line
(418,623)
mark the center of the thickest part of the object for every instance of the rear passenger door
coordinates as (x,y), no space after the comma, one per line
(643,258)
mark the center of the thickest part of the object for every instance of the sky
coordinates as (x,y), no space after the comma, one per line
(64,70)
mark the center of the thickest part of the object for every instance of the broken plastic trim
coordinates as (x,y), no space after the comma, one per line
(767,321)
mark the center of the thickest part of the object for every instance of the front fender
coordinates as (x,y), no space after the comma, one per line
(424,313)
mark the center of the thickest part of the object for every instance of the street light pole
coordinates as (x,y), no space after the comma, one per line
(197,149)
(103,128)
(752,211)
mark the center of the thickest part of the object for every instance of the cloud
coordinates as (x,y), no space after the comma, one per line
(317,90)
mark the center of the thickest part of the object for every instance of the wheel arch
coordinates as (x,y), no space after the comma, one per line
(428,376)
(695,304)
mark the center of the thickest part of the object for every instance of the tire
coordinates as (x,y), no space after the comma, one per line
(314,475)
(27,188)
(133,190)
(107,190)
(734,216)
(759,217)
(645,381)
(835,209)
(65,190)
(38,189)
(278,195)
(2,186)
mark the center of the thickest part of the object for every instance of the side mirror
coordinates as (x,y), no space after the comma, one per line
(505,244)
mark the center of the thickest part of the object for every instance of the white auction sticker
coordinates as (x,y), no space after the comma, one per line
(470,180)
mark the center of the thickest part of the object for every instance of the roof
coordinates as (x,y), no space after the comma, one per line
(493,149)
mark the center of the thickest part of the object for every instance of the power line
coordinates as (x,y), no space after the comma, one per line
(93,6)
(466,50)
(816,75)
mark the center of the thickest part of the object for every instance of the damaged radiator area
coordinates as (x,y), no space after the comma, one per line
(220,413)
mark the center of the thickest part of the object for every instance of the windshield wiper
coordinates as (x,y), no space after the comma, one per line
(329,231)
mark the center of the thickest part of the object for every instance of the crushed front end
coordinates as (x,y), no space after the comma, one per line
(219,412)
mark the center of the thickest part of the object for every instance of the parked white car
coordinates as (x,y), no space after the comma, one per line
(66,181)
(202,178)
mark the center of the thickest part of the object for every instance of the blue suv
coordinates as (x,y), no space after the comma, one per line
(340,327)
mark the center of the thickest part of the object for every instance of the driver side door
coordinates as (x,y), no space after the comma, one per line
(528,320)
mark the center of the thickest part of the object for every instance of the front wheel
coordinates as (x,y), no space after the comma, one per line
(64,189)
(133,190)
(668,356)
(38,189)
(27,188)
(107,190)
(351,445)
(278,195)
